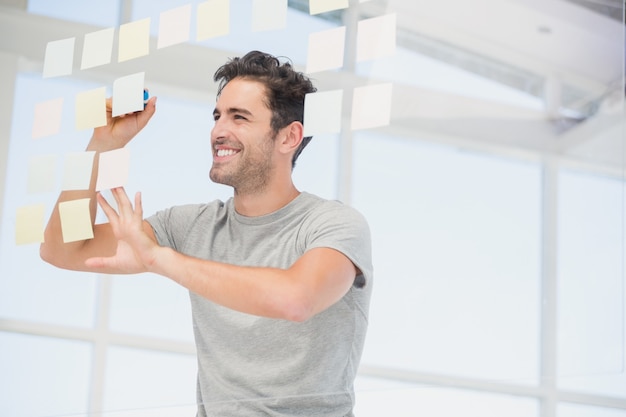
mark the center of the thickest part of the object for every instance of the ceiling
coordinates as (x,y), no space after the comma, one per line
(568,53)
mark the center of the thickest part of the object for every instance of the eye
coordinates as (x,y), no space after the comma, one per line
(216,117)
(239,117)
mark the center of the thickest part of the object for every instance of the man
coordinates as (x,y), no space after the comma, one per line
(279,280)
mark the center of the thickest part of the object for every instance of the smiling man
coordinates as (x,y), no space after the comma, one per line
(280,280)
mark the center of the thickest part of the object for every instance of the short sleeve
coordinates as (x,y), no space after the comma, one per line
(171,226)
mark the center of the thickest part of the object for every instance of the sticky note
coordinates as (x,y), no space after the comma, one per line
(42,173)
(29,224)
(91,110)
(376,37)
(174,26)
(323,6)
(128,94)
(47,120)
(212,19)
(75,220)
(134,40)
(371,106)
(59,58)
(113,169)
(97,48)
(326,50)
(322,112)
(77,170)
(269,15)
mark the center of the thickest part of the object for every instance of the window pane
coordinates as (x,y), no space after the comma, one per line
(590,283)
(100,13)
(456,256)
(138,378)
(376,397)
(577,410)
(43,376)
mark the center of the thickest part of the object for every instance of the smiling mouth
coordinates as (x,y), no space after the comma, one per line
(225,152)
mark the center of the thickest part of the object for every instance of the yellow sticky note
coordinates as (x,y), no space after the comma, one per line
(323,6)
(41,173)
(376,37)
(29,224)
(113,169)
(322,112)
(326,50)
(174,26)
(371,106)
(134,40)
(77,170)
(75,220)
(269,15)
(91,109)
(59,58)
(213,19)
(97,48)
(47,120)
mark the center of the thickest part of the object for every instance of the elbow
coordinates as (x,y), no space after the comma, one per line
(46,254)
(298,310)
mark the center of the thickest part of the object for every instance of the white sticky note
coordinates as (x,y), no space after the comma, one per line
(97,48)
(371,106)
(322,112)
(134,40)
(75,220)
(269,15)
(77,170)
(128,94)
(212,19)
(59,58)
(29,224)
(113,169)
(323,6)
(91,109)
(47,119)
(376,37)
(174,26)
(326,50)
(42,174)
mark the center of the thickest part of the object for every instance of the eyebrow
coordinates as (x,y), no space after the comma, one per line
(232,110)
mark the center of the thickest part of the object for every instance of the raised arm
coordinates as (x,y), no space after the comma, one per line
(72,255)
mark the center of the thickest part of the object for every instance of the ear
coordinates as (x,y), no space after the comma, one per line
(291,137)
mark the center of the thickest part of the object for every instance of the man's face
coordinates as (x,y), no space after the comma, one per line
(242,139)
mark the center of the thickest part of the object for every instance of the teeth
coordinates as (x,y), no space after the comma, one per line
(225,152)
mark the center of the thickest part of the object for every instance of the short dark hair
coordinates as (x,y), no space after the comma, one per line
(285,88)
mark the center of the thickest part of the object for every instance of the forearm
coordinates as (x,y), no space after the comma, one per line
(267,292)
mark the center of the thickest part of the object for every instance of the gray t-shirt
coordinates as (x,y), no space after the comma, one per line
(250,365)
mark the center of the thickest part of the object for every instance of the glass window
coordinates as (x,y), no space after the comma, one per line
(43,376)
(578,410)
(456,255)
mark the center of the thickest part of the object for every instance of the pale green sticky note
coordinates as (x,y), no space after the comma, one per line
(174,26)
(134,40)
(371,106)
(42,173)
(97,48)
(322,112)
(113,169)
(212,19)
(323,6)
(128,94)
(326,50)
(59,58)
(91,109)
(269,15)
(376,37)
(77,170)
(29,224)
(75,220)
(47,118)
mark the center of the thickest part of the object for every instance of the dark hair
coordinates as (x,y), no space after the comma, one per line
(285,88)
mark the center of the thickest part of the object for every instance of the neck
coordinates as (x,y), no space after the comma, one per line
(266,201)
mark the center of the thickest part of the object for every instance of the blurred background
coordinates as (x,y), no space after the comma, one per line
(495,197)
